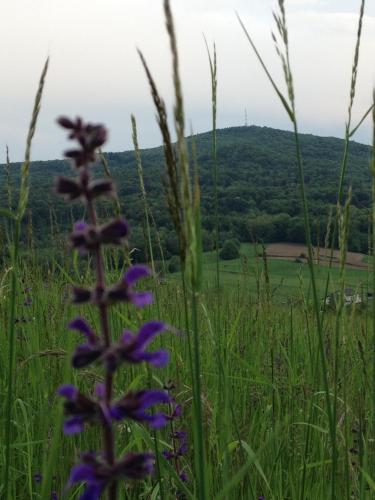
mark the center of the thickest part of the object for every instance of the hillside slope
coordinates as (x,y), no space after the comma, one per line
(258,187)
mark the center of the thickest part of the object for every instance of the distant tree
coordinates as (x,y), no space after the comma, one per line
(174,264)
(230,250)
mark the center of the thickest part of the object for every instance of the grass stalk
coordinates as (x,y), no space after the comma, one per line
(22,204)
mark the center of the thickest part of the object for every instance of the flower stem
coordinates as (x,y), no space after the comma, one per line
(108,438)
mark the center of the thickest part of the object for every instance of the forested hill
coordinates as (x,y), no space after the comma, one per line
(258,188)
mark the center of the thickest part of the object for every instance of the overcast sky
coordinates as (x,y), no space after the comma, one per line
(95,72)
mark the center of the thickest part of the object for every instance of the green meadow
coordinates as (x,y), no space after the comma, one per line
(287,279)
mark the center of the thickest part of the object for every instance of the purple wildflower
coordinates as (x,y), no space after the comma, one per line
(184,477)
(98,475)
(78,408)
(89,352)
(134,405)
(38,477)
(87,237)
(120,292)
(89,136)
(124,291)
(73,189)
(131,348)
(179,437)
(100,472)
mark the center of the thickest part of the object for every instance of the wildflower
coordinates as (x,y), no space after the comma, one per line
(98,475)
(87,237)
(121,292)
(101,471)
(72,189)
(78,408)
(184,477)
(89,352)
(180,450)
(179,438)
(131,348)
(90,137)
(134,405)
(38,477)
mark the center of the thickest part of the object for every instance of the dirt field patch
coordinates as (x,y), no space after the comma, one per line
(294,251)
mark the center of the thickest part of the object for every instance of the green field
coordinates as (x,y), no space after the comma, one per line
(287,278)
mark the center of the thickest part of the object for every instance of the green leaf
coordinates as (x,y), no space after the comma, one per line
(368,478)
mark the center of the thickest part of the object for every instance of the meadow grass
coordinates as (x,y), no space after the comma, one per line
(269,395)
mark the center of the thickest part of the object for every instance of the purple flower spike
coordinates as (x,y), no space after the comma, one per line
(134,405)
(181,438)
(103,470)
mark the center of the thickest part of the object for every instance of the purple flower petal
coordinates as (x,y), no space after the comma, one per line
(141,299)
(135,273)
(68,391)
(82,326)
(168,455)
(157,420)
(158,358)
(127,337)
(116,413)
(81,295)
(177,412)
(184,477)
(69,188)
(101,187)
(86,354)
(73,425)
(113,232)
(136,466)
(82,472)
(150,398)
(92,492)
(100,390)
(148,331)
(80,225)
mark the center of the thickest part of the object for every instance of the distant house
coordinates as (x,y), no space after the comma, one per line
(351,298)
